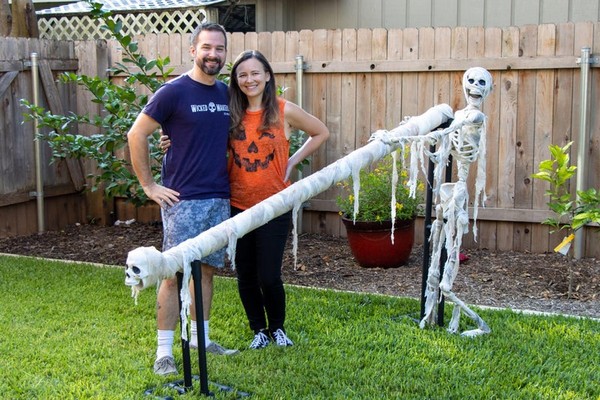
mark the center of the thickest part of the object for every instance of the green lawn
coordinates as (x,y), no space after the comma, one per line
(72,331)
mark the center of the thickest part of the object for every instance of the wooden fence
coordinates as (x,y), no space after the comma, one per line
(359,81)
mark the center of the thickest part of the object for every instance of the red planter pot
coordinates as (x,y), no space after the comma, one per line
(371,244)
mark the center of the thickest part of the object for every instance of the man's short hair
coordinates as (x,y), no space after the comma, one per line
(207,26)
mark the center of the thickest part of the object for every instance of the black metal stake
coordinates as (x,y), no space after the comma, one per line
(197,275)
(427,223)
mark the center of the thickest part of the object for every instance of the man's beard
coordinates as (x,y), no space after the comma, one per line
(210,70)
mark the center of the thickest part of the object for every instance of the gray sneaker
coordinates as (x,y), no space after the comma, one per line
(165,366)
(215,348)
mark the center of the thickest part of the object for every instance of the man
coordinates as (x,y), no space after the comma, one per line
(194,195)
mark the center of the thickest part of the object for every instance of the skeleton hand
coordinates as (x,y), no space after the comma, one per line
(434,137)
(475,117)
(404,120)
(382,135)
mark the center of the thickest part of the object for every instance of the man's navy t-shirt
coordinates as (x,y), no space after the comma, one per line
(196,118)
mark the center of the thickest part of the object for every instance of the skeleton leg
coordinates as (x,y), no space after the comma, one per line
(458,215)
(459,305)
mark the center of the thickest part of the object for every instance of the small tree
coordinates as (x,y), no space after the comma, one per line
(569,215)
(121,105)
(18,19)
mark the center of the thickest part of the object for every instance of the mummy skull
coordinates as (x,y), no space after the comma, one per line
(477,84)
(142,266)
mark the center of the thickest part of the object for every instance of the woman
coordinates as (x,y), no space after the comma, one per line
(261,125)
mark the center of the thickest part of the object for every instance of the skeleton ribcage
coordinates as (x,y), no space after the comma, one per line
(465,143)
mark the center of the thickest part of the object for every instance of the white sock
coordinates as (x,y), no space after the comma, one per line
(193,334)
(206,339)
(165,343)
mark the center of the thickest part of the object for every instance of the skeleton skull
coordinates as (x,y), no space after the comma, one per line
(144,266)
(477,84)
(212,107)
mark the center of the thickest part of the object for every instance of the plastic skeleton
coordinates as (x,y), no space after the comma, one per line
(464,139)
(146,266)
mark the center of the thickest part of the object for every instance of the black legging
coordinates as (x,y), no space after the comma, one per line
(258,258)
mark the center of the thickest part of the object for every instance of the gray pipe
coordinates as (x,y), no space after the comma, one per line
(299,76)
(582,161)
(299,95)
(39,184)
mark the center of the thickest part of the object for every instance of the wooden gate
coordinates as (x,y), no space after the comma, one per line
(62,181)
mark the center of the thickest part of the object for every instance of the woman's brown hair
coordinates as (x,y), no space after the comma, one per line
(238,101)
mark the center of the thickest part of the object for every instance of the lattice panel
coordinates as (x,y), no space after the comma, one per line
(85,28)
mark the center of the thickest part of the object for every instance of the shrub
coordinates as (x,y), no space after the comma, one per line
(375,194)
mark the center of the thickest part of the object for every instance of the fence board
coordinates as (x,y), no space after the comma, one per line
(349,98)
(507,86)
(393,93)
(178,50)
(277,46)
(425,80)
(251,41)
(562,117)
(378,82)
(410,90)
(318,96)
(475,48)
(317,92)
(543,130)
(363,89)
(329,222)
(235,45)
(488,233)
(443,50)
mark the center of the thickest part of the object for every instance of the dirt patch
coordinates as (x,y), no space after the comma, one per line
(501,279)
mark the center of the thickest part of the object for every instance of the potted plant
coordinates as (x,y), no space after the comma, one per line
(370,230)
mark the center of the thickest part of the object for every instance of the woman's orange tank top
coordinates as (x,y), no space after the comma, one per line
(257,162)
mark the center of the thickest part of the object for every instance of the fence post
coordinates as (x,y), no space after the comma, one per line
(39,183)
(582,160)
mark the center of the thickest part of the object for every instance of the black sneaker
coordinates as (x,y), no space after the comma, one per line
(260,340)
(281,338)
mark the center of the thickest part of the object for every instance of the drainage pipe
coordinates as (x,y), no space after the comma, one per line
(582,149)
(39,184)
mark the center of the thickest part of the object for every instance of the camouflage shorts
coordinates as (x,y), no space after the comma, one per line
(189,218)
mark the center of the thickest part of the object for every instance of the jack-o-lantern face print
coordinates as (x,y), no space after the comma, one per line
(259,153)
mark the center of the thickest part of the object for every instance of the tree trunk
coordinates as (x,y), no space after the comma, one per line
(24,19)
(5,19)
